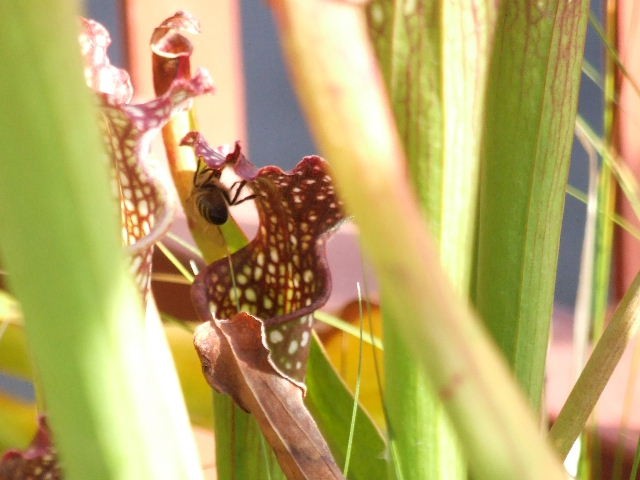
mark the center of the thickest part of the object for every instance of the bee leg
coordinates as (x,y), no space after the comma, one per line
(234,200)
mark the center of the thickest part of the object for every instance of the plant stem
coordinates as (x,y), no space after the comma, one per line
(60,241)
(435,77)
(605,357)
(532,97)
(341,90)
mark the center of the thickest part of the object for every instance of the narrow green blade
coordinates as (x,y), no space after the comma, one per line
(532,98)
(434,57)
(60,242)
(330,404)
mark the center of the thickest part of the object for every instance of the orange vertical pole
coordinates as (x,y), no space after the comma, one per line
(627,139)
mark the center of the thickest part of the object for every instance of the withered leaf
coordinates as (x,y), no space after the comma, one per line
(235,361)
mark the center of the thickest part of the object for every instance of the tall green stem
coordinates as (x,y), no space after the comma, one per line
(341,90)
(532,95)
(60,241)
(435,77)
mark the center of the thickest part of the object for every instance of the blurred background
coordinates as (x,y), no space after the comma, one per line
(273,131)
(277,133)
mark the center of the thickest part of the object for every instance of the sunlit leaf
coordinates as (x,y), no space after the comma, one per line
(197,394)
(331,404)
(343,350)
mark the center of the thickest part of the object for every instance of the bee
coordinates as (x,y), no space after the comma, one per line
(212,197)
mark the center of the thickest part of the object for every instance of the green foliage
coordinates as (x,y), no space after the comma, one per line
(483,96)
(435,77)
(331,403)
(343,99)
(605,357)
(60,241)
(533,82)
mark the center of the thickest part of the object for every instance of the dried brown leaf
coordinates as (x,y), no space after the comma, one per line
(236,361)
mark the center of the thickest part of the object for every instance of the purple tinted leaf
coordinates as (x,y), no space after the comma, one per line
(282,275)
(146,209)
(172,50)
(100,75)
